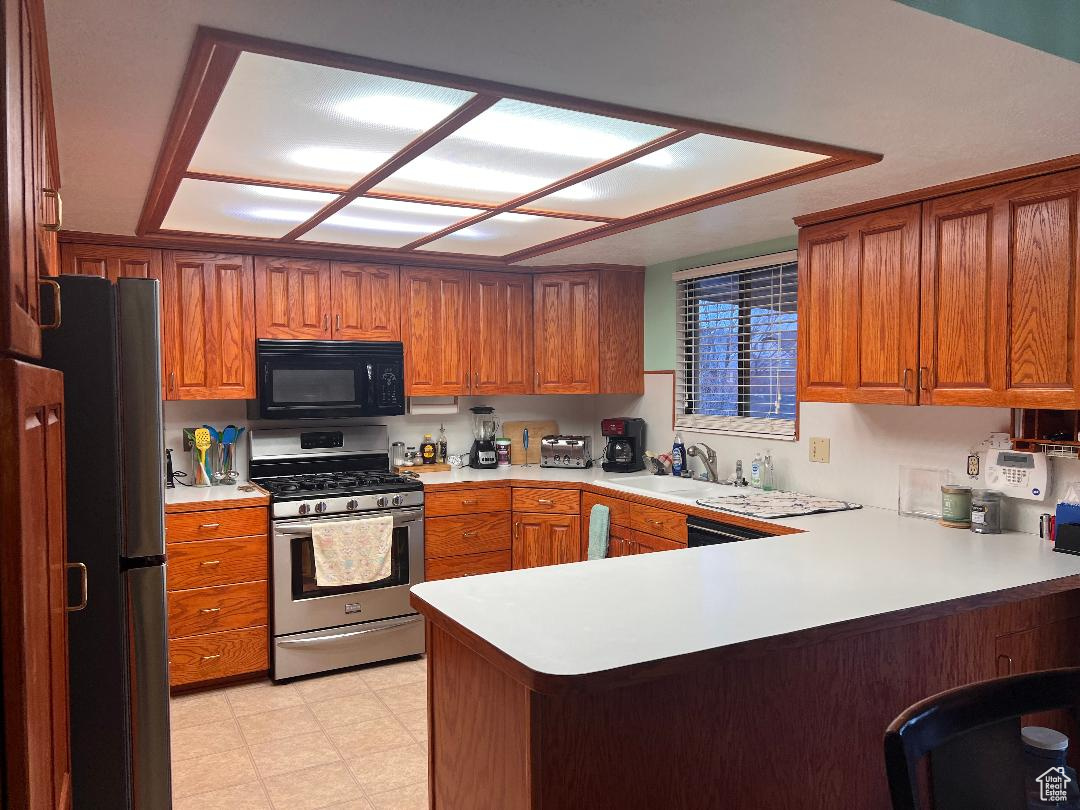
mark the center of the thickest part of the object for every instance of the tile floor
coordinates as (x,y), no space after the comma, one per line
(350,741)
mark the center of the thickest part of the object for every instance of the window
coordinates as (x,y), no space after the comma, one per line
(736,336)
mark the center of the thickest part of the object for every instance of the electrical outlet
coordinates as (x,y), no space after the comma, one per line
(819,449)
(973,465)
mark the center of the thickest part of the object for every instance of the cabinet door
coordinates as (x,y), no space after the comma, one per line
(366,301)
(618,536)
(110,262)
(435,328)
(859,309)
(645,543)
(209,326)
(500,323)
(1000,296)
(545,540)
(33,621)
(565,332)
(292,298)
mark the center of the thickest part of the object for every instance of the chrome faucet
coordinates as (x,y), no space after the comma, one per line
(708,457)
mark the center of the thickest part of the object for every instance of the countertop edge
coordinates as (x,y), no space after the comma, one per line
(258,498)
(561,684)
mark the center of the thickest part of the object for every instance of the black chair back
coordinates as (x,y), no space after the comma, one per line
(973,736)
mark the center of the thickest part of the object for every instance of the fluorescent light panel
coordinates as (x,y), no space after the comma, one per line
(206,206)
(373,222)
(505,233)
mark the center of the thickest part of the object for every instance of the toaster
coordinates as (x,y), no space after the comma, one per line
(566,451)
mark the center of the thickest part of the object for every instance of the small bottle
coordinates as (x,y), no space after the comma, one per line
(427,450)
(768,473)
(678,456)
(739,480)
(440,452)
(755,471)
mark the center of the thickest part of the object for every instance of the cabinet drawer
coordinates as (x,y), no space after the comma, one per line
(466,534)
(215,523)
(660,522)
(557,501)
(211,610)
(466,565)
(218,655)
(642,543)
(466,501)
(620,510)
(216,562)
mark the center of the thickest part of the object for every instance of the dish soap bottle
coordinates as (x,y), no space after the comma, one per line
(768,473)
(678,456)
(755,471)
(440,451)
(427,450)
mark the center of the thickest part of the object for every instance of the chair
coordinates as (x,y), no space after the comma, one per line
(972,735)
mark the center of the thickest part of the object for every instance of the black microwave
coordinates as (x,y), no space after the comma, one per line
(328,379)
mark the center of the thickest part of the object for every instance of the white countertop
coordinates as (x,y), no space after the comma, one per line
(223,495)
(587,617)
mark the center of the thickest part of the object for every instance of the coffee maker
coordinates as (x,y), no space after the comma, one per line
(625,448)
(485,429)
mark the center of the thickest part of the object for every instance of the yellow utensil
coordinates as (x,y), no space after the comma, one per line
(202,444)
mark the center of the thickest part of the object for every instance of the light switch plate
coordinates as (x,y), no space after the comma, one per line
(819,449)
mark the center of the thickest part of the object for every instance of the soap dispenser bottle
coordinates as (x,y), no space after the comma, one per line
(755,471)
(678,456)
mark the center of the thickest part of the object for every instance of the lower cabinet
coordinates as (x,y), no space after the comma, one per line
(466,532)
(547,539)
(218,594)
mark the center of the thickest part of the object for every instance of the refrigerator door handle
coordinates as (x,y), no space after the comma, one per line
(84,577)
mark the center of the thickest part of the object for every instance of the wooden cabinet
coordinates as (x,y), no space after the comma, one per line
(33,598)
(110,262)
(859,309)
(467,501)
(545,540)
(541,501)
(659,522)
(30,178)
(209,326)
(366,301)
(435,330)
(467,565)
(292,298)
(501,333)
(466,532)
(1000,296)
(565,328)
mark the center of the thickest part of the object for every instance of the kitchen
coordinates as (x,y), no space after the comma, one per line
(306,255)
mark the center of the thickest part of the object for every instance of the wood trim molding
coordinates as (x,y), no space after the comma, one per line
(941,190)
(208,69)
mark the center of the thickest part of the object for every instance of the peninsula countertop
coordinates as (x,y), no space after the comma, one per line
(843,569)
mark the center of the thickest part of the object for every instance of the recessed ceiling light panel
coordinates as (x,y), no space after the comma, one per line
(385,223)
(280,119)
(505,233)
(205,206)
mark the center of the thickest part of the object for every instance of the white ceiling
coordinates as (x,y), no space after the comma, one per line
(941,101)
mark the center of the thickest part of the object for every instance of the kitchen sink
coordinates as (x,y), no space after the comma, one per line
(667,485)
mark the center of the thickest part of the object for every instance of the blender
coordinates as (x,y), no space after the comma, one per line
(485,429)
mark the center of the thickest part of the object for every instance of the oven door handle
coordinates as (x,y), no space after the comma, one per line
(343,638)
(304,529)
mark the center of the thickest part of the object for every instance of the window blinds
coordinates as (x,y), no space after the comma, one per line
(736,347)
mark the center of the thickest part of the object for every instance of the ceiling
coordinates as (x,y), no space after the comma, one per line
(940,100)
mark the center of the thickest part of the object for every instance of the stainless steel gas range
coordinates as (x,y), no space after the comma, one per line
(334,474)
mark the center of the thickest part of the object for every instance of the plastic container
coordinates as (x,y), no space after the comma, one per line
(397,454)
(985,511)
(678,456)
(502,452)
(956,506)
(755,471)
(768,473)
(1048,781)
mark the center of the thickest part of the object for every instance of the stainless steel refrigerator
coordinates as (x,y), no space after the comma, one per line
(108,347)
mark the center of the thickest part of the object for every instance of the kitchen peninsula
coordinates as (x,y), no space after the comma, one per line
(759,674)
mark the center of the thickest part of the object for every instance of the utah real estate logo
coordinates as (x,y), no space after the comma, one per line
(1053,785)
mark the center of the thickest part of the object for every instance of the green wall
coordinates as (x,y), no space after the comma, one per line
(660,296)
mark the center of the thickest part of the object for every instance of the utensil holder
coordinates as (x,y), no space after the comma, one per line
(202,473)
(225,471)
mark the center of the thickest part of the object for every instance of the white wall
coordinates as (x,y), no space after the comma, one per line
(869,443)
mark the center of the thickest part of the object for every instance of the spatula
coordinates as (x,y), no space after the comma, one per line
(202,444)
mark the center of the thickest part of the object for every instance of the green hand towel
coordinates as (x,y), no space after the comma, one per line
(599,524)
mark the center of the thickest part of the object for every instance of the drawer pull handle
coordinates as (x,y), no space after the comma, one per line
(210,563)
(545,501)
(209,610)
(655,522)
(211,657)
(210,526)
(468,534)
(468,502)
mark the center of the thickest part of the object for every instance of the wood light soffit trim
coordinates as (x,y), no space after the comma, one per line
(215,54)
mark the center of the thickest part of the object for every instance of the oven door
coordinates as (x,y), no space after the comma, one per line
(310,379)
(300,605)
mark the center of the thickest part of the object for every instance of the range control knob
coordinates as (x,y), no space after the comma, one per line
(566,460)
(320,506)
(353,504)
(381,501)
(303,509)
(399,500)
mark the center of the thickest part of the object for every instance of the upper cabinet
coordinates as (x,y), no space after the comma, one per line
(501,333)
(209,326)
(366,301)
(292,298)
(110,262)
(859,308)
(31,178)
(966,299)
(435,330)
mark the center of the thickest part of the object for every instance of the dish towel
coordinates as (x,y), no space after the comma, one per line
(599,525)
(352,552)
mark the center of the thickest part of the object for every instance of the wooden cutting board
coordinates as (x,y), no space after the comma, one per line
(537,428)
